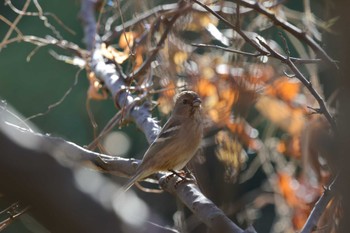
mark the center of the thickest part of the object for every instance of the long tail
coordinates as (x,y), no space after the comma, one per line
(132,180)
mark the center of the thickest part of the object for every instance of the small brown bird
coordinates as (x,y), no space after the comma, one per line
(178,140)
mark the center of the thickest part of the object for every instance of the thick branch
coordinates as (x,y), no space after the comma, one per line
(114,82)
(87,17)
(140,114)
(43,172)
(204,208)
(36,178)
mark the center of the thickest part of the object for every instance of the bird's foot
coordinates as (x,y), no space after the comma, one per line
(185,176)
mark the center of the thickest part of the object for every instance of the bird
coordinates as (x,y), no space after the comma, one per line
(177,142)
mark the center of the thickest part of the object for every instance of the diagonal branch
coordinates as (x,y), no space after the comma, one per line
(205,209)
(304,81)
(319,208)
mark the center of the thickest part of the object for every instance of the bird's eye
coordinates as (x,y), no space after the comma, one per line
(185,101)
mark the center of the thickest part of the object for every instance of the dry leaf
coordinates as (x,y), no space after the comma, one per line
(96,90)
(126,40)
(113,54)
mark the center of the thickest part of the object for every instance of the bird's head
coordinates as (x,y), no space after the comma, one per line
(187,103)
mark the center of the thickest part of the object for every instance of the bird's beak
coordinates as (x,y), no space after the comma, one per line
(196,102)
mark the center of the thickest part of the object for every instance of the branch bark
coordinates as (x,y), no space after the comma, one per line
(205,209)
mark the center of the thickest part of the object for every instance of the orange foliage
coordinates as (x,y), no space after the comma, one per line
(290,146)
(299,195)
(165,101)
(95,90)
(291,120)
(284,88)
(217,100)
(245,133)
(126,42)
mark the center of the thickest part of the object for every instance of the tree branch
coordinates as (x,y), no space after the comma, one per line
(205,209)
(304,81)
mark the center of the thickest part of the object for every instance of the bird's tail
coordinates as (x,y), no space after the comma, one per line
(131,181)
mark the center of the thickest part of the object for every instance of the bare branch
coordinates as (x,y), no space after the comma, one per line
(15,22)
(227,49)
(295,31)
(14,211)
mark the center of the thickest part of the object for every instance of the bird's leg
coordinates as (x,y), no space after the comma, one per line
(182,175)
(188,173)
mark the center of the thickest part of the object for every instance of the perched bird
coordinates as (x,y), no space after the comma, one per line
(178,140)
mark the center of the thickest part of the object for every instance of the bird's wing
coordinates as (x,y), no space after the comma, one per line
(162,141)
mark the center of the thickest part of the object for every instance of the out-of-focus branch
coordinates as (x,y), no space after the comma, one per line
(29,173)
(293,59)
(189,193)
(144,16)
(224,7)
(87,17)
(14,211)
(45,173)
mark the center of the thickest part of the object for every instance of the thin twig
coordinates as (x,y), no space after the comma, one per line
(226,49)
(15,22)
(57,103)
(14,212)
(295,31)
(234,27)
(319,208)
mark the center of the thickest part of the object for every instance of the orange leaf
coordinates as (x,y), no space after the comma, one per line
(95,90)
(246,134)
(126,40)
(284,88)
